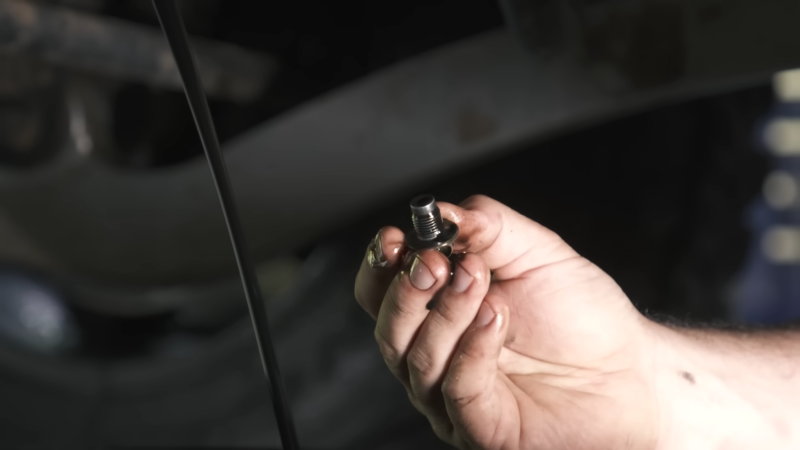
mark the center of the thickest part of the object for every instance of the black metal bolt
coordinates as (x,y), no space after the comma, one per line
(430,230)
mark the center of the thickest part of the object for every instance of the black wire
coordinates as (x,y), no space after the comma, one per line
(171,22)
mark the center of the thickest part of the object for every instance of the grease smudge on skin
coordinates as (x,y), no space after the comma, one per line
(688,377)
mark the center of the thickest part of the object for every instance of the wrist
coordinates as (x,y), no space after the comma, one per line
(707,398)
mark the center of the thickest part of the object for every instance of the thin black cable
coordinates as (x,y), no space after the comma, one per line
(171,22)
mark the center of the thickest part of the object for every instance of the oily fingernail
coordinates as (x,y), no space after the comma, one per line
(421,277)
(375,256)
(485,315)
(461,279)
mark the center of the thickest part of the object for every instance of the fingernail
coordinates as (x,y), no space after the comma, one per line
(375,256)
(421,277)
(485,315)
(461,279)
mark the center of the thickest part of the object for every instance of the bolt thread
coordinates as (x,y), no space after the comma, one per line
(428,226)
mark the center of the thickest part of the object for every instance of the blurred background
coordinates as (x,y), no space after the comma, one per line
(659,138)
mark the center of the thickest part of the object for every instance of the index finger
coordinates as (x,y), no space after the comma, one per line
(380,264)
(510,243)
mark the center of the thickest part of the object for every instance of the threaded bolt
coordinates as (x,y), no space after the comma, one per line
(426,217)
(430,230)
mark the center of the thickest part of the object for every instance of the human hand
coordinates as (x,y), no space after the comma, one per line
(530,346)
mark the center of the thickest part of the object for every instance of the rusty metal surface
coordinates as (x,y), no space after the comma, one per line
(126,51)
(305,172)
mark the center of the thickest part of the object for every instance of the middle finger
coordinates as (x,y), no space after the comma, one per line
(439,335)
(404,307)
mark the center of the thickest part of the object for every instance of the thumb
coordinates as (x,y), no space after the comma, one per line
(473,397)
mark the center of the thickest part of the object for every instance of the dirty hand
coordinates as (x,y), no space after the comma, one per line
(529,346)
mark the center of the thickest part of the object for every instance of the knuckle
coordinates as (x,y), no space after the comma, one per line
(391,354)
(420,361)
